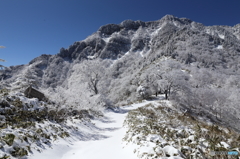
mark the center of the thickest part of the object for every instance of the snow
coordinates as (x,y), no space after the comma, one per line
(176,24)
(155,138)
(91,57)
(208,31)
(107,143)
(212,32)
(221,36)
(170,150)
(126,54)
(55,152)
(225,145)
(146,149)
(156,31)
(107,39)
(219,47)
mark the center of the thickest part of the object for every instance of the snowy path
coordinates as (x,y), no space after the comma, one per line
(109,145)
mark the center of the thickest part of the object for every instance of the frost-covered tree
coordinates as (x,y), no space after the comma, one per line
(25,79)
(31,78)
(169,77)
(93,72)
(143,92)
(153,82)
(221,98)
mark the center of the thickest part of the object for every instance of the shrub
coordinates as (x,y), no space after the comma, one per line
(9,138)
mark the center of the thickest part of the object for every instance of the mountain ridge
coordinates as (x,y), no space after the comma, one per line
(112,41)
(188,42)
(79,48)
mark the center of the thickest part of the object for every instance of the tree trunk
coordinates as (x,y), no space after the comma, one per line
(220,116)
(216,113)
(166,94)
(95,87)
(169,91)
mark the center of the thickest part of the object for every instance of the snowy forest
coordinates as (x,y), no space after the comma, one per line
(196,67)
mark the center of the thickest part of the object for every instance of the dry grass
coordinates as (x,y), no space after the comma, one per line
(179,129)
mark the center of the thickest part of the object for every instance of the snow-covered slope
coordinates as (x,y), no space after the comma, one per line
(159,130)
(28,126)
(151,129)
(102,140)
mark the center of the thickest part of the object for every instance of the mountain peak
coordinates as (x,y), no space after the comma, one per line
(131,25)
(109,29)
(169,17)
(172,19)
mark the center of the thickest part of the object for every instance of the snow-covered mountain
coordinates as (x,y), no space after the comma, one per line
(126,52)
(196,67)
(179,38)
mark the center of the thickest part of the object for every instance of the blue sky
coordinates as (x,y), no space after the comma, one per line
(30,28)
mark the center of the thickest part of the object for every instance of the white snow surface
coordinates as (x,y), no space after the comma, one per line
(106,144)
(219,47)
(221,36)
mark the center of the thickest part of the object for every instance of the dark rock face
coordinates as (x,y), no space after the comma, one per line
(43,58)
(132,25)
(109,29)
(117,46)
(138,44)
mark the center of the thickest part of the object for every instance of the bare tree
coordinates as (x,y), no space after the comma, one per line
(92,74)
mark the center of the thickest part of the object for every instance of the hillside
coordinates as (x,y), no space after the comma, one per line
(156,55)
(195,67)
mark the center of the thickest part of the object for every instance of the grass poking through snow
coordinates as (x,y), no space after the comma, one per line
(162,132)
